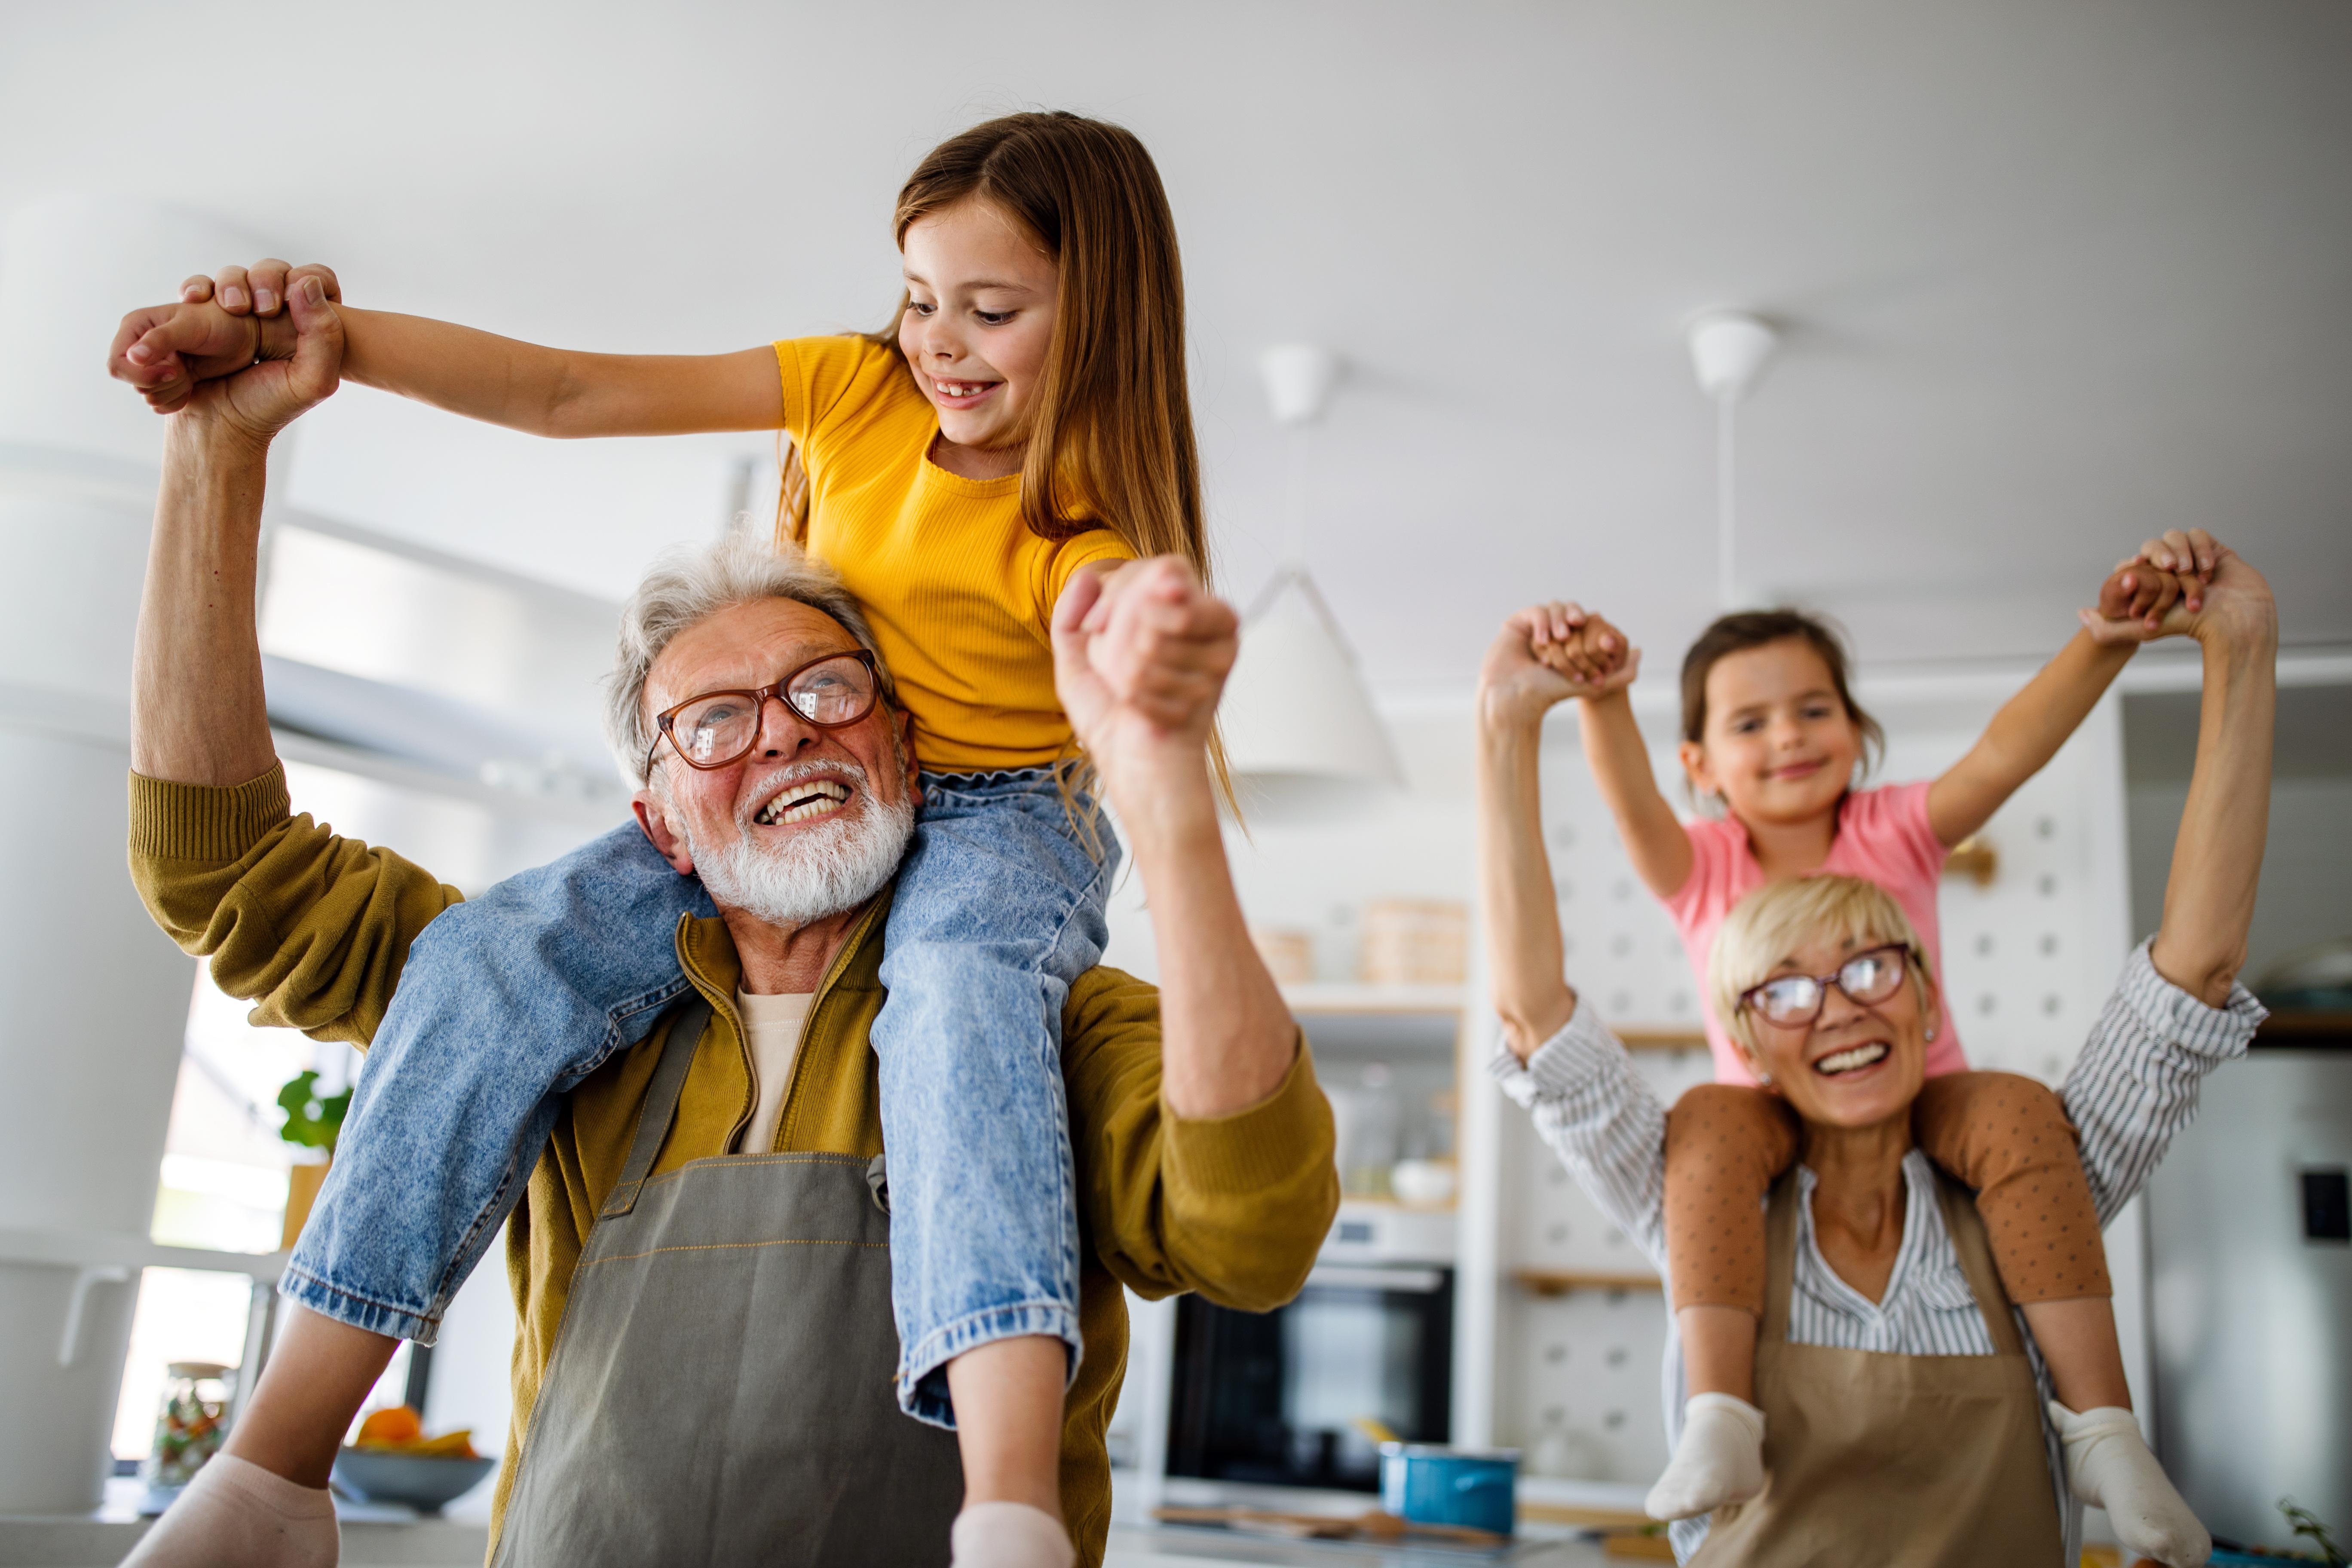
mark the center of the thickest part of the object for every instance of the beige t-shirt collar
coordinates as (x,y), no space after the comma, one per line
(773,1023)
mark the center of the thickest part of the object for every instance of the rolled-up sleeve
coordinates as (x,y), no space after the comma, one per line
(1234,1208)
(1601,1118)
(2135,1085)
(312,927)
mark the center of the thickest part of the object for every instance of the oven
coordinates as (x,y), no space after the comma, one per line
(1277,1398)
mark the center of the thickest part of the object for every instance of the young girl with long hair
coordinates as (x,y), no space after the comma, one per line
(1023,420)
(1771,730)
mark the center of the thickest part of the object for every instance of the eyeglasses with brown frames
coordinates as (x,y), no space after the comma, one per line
(1794,1001)
(716,728)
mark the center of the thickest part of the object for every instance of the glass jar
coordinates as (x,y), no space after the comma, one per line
(190,1424)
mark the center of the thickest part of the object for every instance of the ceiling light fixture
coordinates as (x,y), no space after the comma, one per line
(1299,729)
(1728,352)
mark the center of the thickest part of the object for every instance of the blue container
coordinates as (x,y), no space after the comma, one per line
(1427,1485)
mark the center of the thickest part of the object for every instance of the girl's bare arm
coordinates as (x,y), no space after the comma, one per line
(2023,736)
(167,350)
(1620,760)
(2134,605)
(560,392)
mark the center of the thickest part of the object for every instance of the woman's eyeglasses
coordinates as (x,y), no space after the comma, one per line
(1866,979)
(722,727)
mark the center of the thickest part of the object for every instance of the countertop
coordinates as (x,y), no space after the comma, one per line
(1175,1548)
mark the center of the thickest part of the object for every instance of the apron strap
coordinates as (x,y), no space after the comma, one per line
(660,1109)
(1966,1227)
(1779,1255)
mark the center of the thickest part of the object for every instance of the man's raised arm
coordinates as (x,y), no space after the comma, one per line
(312,927)
(1140,658)
(197,714)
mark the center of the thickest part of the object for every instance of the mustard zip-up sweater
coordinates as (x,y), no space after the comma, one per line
(314,927)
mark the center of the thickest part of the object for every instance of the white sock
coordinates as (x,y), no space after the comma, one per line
(234,1514)
(2109,1467)
(1721,1459)
(1009,1535)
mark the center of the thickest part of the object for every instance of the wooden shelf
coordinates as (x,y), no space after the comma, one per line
(1559,1282)
(1638,1040)
(1327,999)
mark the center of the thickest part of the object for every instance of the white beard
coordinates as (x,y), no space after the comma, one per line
(824,871)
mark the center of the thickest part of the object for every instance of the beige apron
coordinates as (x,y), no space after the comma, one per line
(1900,1461)
(720,1391)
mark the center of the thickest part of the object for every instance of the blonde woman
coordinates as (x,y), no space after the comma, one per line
(1906,1407)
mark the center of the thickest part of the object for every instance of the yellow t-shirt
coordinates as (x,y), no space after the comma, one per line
(960,593)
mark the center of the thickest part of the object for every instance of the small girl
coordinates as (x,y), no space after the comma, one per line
(1025,419)
(1771,730)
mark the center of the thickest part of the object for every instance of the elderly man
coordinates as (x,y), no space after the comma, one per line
(703,1367)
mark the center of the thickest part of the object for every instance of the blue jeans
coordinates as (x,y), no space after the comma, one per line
(512,999)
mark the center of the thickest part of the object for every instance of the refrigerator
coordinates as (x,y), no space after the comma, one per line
(2250,1288)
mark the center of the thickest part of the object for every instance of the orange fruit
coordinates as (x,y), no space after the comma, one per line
(397,1425)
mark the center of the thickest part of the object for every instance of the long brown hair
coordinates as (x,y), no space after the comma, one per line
(1110,440)
(1746,629)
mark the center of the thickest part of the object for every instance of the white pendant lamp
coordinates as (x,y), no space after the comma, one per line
(1299,729)
(1728,352)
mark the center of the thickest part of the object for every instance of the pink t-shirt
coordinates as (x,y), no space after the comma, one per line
(1883,836)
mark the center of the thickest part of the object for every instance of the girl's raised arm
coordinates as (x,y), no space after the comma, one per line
(165,350)
(1614,750)
(560,392)
(2030,726)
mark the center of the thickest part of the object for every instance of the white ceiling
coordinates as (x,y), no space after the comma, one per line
(2052,276)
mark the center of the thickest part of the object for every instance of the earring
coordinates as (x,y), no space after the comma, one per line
(1931,1034)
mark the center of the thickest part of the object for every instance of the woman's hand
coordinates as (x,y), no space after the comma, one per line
(2236,610)
(2192,554)
(1547,654)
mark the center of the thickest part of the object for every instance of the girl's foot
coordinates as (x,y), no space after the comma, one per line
(2109,1467)
(1009,1535)
(1721,1459)
(234,1514)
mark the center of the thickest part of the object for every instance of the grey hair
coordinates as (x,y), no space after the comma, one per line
(689,585)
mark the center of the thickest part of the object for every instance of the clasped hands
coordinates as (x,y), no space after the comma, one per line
(1552,651)
(1140,651)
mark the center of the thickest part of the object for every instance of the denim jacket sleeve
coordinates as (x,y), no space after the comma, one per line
(310,926)
(1234,1208)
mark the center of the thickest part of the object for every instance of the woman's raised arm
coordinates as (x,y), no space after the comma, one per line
(2209,899)
(1515,886)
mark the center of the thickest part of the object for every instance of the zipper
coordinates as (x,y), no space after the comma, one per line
(858,935)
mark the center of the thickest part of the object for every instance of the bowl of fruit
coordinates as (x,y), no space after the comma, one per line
(392,1460)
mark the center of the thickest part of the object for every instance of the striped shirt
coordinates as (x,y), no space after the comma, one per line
(2132,1090)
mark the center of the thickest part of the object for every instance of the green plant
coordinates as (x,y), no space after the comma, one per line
(314,1120)
(2306,1522)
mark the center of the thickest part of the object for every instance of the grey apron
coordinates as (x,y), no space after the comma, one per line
(719,1392)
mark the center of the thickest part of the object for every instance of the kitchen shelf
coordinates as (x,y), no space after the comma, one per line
(1640,1039)
(1559,1282)
(1344,998)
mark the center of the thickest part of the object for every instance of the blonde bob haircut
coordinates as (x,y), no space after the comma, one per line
(1768,925)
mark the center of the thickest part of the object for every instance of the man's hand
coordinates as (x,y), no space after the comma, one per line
(217,328)
(1141,656)
(261,399)
(261,288)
